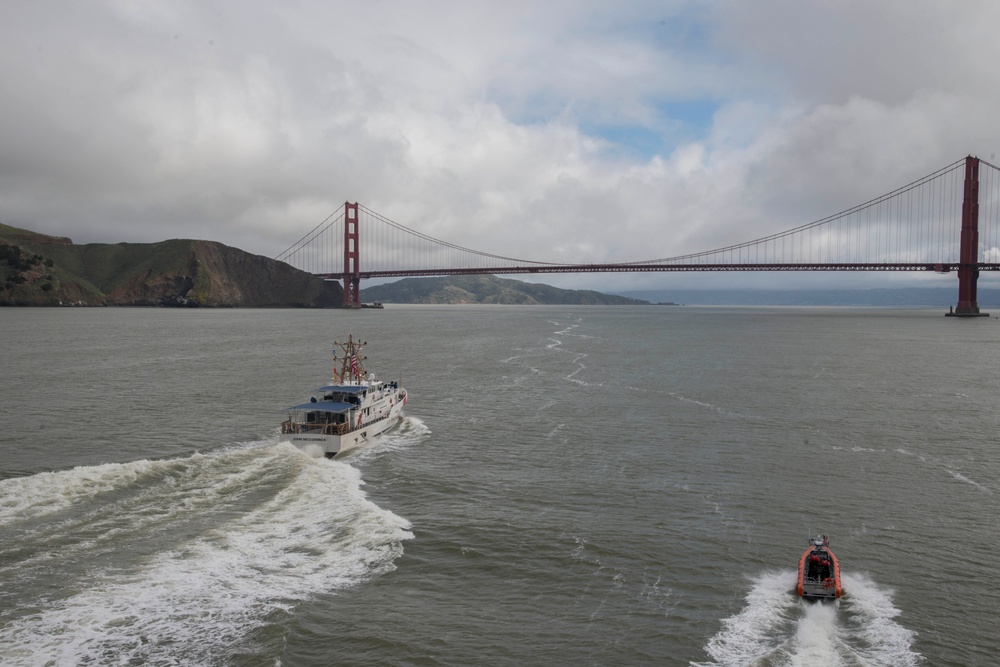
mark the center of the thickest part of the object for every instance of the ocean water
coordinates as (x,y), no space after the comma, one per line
(571,486)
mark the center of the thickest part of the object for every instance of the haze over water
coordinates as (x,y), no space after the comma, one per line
(572,486)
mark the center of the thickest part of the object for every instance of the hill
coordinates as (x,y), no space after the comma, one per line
(40,270)
(486,289)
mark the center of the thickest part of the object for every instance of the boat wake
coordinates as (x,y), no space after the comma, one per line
(184,561)
(409,432)
(777,629)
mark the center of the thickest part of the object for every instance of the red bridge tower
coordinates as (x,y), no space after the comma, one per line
(352,254)
(968,253)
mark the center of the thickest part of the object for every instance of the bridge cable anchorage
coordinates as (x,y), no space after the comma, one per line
(911,228)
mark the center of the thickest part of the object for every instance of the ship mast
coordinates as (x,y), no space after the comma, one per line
(352,363)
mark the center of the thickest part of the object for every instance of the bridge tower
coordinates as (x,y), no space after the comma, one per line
(352,254)
(968,267)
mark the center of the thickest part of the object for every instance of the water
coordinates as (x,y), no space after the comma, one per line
(572,486)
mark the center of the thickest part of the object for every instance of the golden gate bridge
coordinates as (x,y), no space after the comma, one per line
(946,221)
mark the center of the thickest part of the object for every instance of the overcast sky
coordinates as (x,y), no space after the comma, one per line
(601,131)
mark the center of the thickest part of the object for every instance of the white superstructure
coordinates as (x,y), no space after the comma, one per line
(355,408)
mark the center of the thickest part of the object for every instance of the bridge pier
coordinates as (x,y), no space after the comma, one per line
(968,268)
(352,255)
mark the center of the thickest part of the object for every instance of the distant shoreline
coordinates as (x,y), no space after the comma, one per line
(901,297)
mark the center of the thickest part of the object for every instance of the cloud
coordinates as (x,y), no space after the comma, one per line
(517,128)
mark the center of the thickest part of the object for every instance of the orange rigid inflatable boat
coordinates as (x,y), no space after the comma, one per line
(819,572)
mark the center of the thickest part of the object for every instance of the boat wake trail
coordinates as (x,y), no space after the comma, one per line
(777,629)
(409,433)
(188,561)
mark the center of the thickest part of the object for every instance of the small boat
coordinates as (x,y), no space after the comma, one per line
(819,571)
(350,411)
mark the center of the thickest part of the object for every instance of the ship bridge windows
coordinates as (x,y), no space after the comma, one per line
(342,398)
(320,418)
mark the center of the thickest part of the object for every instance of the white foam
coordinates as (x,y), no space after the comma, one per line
(937,463)
(776,628)
(716,408)
(47,492)
(871,617)
(410,432)
(412,425)
(962,478)
(313,451)
(760,627)
(197,601)
(816,641)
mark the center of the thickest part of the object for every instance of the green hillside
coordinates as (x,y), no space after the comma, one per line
(45,270)
(485,289)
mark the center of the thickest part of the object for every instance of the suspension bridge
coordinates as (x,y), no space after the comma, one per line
(946,221)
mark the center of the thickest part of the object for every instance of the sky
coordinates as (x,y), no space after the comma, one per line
(585,131)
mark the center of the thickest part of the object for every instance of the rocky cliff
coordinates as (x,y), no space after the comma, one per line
(46,270)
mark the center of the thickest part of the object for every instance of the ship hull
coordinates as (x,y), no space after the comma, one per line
(330,445)
(819,575)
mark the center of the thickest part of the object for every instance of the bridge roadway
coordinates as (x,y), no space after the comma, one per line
(638,267)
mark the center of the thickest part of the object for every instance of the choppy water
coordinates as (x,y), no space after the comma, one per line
(572,486)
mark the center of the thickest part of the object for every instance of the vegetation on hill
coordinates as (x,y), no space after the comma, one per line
(486,289)
(45,270)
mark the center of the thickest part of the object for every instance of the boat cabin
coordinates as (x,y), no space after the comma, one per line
(356,393)
(344,393)
(327,417)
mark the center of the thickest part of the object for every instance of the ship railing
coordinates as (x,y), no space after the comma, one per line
(325,429)
(382,416)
